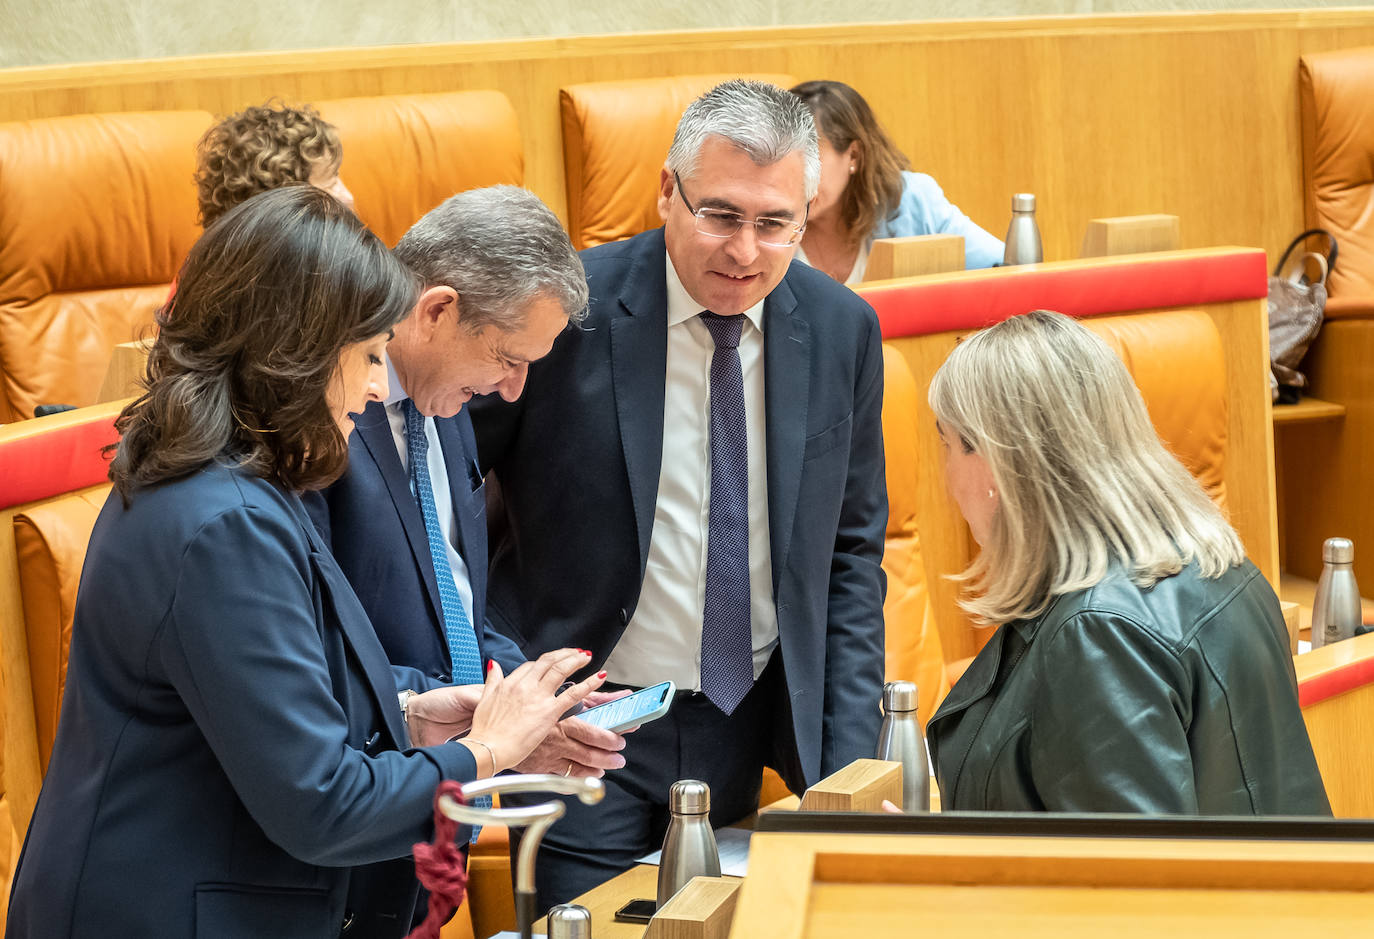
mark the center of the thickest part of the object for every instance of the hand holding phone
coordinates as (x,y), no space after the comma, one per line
(643,706)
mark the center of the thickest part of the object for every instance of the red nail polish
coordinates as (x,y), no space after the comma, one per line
(586,652)
(490,663)
(600,674)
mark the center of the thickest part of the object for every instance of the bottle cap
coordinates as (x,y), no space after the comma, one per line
(1338,551)
(570,921)
(899,696)
(689,797)
(1023,202)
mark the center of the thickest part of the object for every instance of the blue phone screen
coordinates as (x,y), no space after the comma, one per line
(626,711)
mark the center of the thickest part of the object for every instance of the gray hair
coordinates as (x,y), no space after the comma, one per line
(1082,477)
(763,120)
(499,248)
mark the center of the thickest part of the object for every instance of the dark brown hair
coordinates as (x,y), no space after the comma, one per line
(247,347)
(258,149)
(875,189)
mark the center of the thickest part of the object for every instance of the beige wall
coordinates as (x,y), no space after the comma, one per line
(45,32)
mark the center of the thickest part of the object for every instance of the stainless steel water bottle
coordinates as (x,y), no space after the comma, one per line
(569,921)
(900,741)
(689,847)
(1023,237)
(1336,609)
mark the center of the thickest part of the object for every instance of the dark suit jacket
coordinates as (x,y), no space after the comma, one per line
(578,460)
(229,744)
(378,536)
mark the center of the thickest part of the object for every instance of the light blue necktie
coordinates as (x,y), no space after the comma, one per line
(727,644)
(463,653)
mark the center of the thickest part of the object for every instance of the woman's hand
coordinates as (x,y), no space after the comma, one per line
(516,712)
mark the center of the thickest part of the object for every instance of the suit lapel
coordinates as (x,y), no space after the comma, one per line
(374,430)
(787,381)
(639,361)
(356,627)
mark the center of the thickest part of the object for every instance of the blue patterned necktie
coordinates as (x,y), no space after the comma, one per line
(464,655)
(727,647)
(462,641)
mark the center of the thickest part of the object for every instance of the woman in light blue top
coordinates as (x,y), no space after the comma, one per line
(868,191)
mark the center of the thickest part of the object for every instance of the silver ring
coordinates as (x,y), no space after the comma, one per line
(568,771)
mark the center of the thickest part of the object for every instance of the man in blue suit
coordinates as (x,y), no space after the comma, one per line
(407,521)
(694,488)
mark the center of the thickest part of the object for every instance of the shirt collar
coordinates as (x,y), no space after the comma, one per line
(681,306)
(395,393)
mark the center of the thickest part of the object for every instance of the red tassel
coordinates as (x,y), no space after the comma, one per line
(441,867)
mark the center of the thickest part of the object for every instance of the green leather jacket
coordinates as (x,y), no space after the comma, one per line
(1177,699)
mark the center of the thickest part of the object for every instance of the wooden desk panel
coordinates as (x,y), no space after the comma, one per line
(837,885)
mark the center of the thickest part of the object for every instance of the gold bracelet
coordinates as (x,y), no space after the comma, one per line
(487,747)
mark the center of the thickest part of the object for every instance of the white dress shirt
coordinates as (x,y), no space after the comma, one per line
(438,479)
(663,639)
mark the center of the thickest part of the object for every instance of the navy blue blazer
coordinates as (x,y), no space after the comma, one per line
(377,533)
(230,738)
(578,458)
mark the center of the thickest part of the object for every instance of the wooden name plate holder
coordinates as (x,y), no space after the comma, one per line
(832,885)
(914,255)
(859,787)
(1130,234)
(703,909)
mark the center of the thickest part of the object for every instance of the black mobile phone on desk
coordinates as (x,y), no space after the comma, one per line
(644,705)
(636,911)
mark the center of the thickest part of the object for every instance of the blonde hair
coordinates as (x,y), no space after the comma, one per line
(1083,479)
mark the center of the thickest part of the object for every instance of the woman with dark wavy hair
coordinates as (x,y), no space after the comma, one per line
(868,191)
(265,147)
(233,740)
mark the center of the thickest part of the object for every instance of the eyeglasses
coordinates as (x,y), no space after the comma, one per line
(718,223)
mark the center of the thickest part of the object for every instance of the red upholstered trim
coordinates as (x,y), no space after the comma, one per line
(1140,282)
(1337,681)
(58,460)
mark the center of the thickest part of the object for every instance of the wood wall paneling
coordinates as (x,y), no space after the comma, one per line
(1191,114)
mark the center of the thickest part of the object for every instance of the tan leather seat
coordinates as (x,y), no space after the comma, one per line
(1337,92)
(914,652)
(615,137)
(99,211)
(1177,362)
(404,154)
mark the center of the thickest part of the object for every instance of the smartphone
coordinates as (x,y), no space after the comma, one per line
(637,911)
(643,706)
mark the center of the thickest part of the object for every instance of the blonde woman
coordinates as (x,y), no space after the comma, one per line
(1140,662)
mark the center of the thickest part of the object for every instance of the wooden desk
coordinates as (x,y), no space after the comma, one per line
(603,901)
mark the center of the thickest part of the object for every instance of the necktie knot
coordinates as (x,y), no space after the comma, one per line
(725,330)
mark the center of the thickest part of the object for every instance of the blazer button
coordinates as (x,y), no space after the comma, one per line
(445,677)
(624,617)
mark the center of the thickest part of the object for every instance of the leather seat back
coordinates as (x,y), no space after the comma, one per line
(1337,93)
(96,214)
(914,651)
(404,154)
(615,137)
(1177,362)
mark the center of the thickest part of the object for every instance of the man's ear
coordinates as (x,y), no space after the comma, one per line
(436,306)
(665,192)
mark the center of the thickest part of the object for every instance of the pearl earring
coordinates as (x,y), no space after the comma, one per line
(851,169)
(992,493)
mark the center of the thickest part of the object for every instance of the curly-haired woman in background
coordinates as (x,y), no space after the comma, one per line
(262,148)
